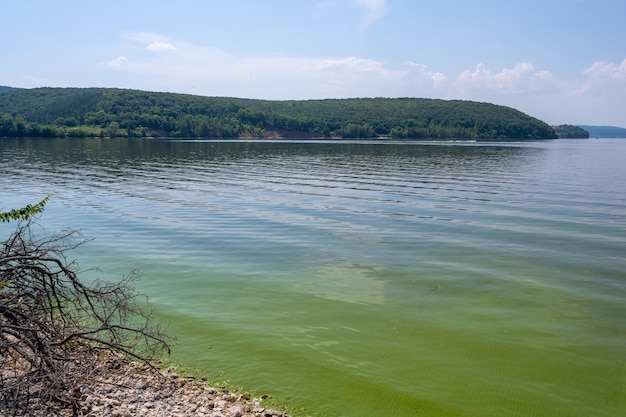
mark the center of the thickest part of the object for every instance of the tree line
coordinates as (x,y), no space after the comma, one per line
(108,112)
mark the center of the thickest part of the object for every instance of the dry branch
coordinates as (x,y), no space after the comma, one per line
(52,324)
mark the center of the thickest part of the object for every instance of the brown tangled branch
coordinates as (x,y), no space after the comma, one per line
(52,324)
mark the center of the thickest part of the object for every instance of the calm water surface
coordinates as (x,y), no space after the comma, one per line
(358,278)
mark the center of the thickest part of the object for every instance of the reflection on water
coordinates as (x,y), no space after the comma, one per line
(435,279)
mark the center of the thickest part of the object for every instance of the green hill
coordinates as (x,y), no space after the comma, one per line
(118,112)
(571,132)
(5,89)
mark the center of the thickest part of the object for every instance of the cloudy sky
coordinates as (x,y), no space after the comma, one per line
(563,61)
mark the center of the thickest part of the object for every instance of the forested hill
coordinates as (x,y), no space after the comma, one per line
(5,89)
(118,112)
(571,132)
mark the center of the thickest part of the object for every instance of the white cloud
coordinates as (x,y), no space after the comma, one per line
(603,69)
(520,78)
(352,64)
(602,75)
(212,71)
(419,73)
(153,42)
(161,46)
(376,9)
(353,77)
(117,62)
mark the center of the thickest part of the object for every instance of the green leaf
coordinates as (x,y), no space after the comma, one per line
(24,213)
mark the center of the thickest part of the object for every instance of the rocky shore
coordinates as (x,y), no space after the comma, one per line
(128,390)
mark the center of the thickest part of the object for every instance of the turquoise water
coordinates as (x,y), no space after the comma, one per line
(363,278)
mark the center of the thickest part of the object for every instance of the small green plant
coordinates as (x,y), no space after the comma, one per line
(24,213)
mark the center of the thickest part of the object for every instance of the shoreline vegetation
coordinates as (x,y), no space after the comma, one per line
(111,112)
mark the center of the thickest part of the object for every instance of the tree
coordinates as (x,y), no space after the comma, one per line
(113,129)
(53,326)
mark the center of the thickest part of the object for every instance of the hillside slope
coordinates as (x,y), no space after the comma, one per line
(5,89)
(117,112)
(571,132)
(605,131)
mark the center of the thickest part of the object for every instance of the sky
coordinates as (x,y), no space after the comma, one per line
(562,61)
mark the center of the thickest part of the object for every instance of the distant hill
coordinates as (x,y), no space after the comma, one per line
(571,132)
(118,112)
(605,131)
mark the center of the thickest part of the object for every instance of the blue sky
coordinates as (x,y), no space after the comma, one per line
(563,61)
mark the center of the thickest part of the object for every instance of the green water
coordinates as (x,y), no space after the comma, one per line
(363,278)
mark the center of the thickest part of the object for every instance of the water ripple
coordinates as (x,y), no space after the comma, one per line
(373,266)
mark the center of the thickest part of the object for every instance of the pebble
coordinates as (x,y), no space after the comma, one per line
(133,391)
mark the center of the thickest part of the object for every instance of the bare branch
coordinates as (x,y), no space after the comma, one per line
(52,324)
